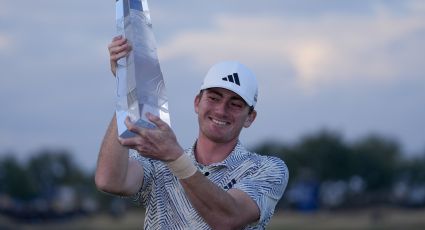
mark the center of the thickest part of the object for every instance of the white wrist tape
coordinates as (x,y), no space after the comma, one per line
(183,167)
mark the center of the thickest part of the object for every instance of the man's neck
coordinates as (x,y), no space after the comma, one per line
(208,152)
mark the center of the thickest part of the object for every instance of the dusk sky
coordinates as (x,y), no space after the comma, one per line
(355,67)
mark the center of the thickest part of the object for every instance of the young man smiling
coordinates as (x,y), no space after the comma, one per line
(215,184)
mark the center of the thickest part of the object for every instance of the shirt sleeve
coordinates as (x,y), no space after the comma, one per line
(142,196)
(266,186)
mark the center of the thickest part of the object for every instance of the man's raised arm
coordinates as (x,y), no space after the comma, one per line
(116,173)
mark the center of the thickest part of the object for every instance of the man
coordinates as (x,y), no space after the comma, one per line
(215,184)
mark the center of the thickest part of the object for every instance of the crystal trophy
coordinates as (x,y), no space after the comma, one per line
(140,84)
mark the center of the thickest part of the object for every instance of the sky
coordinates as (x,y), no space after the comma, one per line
(354,67)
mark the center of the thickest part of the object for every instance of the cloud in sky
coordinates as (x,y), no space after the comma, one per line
(328,69)
(352,66)
(5,42)
(329,49)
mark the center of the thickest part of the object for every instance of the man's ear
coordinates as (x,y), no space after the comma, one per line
(250,119)
(196,102)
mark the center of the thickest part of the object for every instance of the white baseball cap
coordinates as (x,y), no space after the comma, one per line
(235,77)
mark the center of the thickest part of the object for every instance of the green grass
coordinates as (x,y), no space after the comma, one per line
(370,219)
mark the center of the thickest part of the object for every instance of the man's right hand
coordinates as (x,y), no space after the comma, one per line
(118,48)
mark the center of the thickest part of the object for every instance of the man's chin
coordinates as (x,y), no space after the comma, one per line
(220,139)
(217,138)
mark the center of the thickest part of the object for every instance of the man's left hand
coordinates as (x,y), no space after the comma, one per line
(159,143)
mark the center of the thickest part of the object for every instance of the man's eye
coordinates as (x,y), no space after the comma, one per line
(213,98)
(237,105)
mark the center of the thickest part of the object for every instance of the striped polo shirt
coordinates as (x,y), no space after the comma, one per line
(263,178)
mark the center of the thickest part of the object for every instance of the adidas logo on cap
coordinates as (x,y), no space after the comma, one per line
(232,78)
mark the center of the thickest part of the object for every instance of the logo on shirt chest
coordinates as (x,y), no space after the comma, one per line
(230,184)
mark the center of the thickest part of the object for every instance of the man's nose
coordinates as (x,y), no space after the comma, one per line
(222,108)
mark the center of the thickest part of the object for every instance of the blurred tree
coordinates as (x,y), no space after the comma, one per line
(413,170)
(326,154)
(15,180)
(377,160)
(53,168)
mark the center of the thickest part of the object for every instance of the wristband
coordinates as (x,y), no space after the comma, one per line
(182,167)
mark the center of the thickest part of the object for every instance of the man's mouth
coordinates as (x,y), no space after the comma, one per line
(218,122)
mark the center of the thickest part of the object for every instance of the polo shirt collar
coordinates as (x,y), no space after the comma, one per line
(231,161)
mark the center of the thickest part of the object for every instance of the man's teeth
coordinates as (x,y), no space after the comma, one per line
(219,122)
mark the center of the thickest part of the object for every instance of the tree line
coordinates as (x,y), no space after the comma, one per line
(324,159)
(386,174)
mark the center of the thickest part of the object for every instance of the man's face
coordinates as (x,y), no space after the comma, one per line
(222,114)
